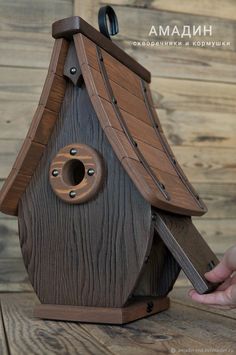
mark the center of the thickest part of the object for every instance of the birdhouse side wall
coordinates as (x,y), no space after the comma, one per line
(90,253)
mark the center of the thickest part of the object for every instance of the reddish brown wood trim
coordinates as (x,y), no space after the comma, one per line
(125,78)
(183,202)
(89,166)
(53,92)
(116,71)
(58,58)
(161,138)
(154,157)
(28,157)
(136,309)
(39,132)
(68,27)
(43,124)
(135,126)
(134,145)
(12,191)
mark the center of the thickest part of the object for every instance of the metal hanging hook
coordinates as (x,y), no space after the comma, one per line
(107,13)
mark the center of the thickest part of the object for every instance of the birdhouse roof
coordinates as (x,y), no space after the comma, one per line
(119,91)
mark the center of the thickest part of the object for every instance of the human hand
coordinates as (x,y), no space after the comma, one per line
(225,295)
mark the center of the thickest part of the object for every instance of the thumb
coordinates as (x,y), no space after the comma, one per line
(225,268)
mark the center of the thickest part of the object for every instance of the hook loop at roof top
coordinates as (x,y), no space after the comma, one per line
(107,13)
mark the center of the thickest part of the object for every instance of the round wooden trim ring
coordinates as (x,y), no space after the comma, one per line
(76,173)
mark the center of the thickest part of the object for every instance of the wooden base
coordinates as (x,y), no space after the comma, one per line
(139,308)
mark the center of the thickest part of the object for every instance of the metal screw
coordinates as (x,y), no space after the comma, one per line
(55,172)
(135,143)
(73,151)
(72,194)
(211,265)
(154,217)
(174,161)
(91,172)
(162,186)
(73,70)
(114,100)
(150,307)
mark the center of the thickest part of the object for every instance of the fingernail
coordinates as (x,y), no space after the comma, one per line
(190,292)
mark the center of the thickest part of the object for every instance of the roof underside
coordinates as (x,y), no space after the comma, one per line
(123,104)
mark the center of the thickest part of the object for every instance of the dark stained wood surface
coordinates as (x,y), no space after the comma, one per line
(135,309)
(39,132)
(188,247)
(183,326)
(87,241)
(160,271)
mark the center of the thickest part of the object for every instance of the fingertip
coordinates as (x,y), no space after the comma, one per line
(218,274)
(196,296)
(190,291)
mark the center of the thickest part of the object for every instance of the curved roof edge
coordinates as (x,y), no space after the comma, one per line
(39,132)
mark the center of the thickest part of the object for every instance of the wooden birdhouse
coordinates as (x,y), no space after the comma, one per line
(104,208)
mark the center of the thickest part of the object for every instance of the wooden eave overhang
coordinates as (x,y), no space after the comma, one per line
(119,92)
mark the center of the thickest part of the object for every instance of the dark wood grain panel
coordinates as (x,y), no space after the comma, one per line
(158,268)
(188,247)
(86,268)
